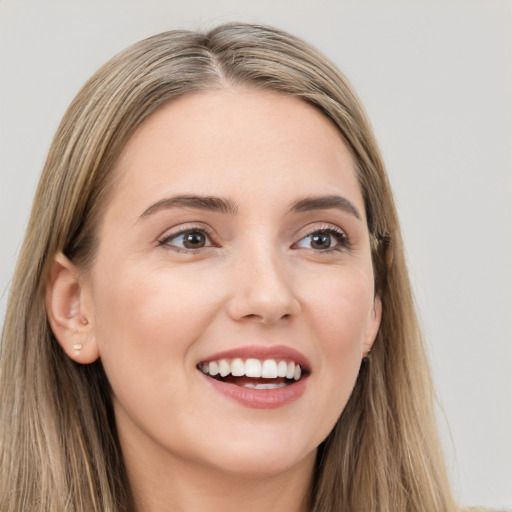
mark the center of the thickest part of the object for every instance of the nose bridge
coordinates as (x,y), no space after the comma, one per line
(262,284)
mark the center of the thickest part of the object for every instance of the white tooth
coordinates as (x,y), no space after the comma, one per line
(291,370)
(270,386)
(282,367)
(269,369)
(204,367)
(213,368)
(264,386)
(252,368)
(224,368)
(297,373)
(237,367)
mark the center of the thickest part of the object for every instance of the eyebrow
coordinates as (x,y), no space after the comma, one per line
(325,203)
(210,203)
(222,205)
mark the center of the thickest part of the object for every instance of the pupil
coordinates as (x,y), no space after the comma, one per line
(194,240)
(321,241)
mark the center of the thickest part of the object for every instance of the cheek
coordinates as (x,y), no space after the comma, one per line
(146,322)
(341,304)
(340,312)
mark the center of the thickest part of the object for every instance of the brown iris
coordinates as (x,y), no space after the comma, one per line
(194,240)
(320,241)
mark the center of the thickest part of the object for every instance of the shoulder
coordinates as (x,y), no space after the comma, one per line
(485,509)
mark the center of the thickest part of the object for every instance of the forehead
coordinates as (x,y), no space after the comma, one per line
(239,143)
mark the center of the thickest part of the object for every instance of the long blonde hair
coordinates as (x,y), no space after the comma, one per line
(59,448)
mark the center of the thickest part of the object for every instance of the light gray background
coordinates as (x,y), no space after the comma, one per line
(436,79)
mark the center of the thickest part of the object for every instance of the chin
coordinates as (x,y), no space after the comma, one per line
(257,456)
(264,464)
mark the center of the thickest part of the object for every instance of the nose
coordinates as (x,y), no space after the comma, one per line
(262,289)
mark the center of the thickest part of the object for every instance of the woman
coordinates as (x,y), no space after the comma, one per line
(212,255)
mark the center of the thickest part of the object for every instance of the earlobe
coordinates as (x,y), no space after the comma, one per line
(373,326)
(69,318)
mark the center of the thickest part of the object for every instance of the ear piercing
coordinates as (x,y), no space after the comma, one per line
(78,347)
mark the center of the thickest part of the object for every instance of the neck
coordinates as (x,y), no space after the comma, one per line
(183,486)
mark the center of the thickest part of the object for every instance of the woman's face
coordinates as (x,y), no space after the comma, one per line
(235,238)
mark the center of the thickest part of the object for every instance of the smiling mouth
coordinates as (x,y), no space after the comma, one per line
(254,373)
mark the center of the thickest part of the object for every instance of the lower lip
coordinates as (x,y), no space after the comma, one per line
(260,398)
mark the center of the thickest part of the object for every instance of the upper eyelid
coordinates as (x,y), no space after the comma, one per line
(321,226)
(184,227)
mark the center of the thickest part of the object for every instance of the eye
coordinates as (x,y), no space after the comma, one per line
(189,239)
(323,240)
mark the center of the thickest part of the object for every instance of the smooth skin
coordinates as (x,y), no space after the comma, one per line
(172,284)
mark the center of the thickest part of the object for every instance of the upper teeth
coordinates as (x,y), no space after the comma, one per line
(267,369)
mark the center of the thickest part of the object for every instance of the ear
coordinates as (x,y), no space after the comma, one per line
(70,320)
(373,325)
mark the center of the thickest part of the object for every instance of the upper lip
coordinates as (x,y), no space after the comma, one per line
(262,352)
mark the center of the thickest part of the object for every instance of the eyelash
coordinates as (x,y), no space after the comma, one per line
(343,242)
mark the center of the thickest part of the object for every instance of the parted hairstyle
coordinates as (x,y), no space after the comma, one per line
(59,449)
